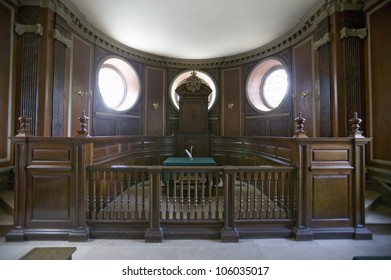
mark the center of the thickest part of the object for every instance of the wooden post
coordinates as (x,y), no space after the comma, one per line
(229,233)
(154,233)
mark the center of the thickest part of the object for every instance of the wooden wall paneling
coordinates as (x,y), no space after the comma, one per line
(322,57)
(58,90)
(61,63)
(155,102)
(302,81)
(379,84)
(80,79)
(45,75)
(50,198)
(231,102)
(6,77)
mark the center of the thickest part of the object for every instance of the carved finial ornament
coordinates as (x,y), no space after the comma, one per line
(355,123)
(193,83)
(25,125)
(83,130)
(300,133)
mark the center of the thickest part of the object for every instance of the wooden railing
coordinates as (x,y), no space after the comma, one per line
(67,188)
(189,195)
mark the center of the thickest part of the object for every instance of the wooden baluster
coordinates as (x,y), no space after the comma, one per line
(114,195)
(121,214)
(188,199)
(210,194)
(106,213)
(217,215)
(255,201)
(288,197)
(282,197)
(275,200)
(128,188)
(195,195)
(248,195)
(203,181)
(93,212)
(262,207)
(101,189)
(240,212)
(268,185)
(182,196)
(168,201)
(143,211)
(174,210)
(87,195)
(136,198)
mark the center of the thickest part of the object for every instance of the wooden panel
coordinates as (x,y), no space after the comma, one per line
(105,127)
(330,155)
(51,154)
(302,82)
(155,92)
(50,197)
(232,94)
(330,197)
(81,80)
(6,23)
(380,73)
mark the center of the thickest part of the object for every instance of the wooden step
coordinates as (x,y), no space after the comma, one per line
(50,253)
(371,198)
(7,201)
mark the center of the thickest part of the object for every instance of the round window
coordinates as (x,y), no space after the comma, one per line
(267,85)
(118,84)
(174,98)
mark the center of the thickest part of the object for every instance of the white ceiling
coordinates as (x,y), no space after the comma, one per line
(194,29)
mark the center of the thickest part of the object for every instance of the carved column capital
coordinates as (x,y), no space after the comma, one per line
(20,29)
(56,35)
(324,40)
(348,32)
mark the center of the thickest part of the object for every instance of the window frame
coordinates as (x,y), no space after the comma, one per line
(130,78)
(255,84)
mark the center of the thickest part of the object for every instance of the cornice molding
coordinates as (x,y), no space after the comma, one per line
(324,40)
(20,29)
(307,24)
(347,32)
(56,35)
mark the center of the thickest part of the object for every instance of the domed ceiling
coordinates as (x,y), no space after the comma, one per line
(198,29)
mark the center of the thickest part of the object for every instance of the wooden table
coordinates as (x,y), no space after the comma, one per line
(185,161)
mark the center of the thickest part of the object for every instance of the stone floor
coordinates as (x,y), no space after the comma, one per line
(245,249)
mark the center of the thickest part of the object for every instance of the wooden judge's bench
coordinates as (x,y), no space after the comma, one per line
(193,118)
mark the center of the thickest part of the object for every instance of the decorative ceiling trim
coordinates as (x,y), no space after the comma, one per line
(307,24)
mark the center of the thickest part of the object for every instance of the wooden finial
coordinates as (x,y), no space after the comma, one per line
(355,123)
(83,130)
(25,126)
(300,133)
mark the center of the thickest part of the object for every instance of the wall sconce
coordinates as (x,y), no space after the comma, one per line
(231,106)
(302,94)
(155,106)
(83,93)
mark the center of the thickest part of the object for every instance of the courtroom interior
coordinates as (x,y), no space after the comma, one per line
(195,121)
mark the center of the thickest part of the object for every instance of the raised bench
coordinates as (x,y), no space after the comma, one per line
(50,253)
